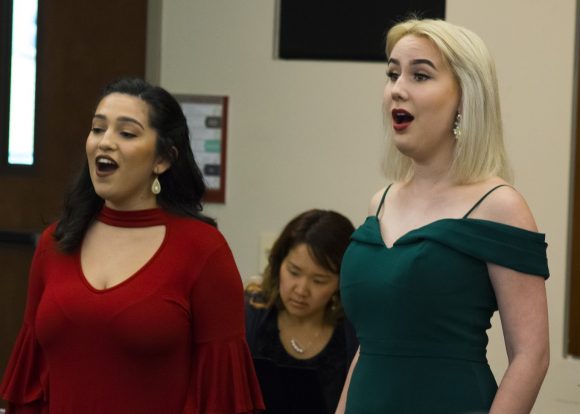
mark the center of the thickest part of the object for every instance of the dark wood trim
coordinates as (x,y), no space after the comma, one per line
(574,285)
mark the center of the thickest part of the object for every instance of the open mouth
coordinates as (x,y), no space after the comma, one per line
(401,119)
(105,165)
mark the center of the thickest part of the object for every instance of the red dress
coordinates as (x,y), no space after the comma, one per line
(170,339)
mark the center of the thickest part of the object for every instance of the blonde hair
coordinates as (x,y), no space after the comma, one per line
(479,151)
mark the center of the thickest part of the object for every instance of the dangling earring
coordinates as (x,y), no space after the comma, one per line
(457,126)
(334,303)
(156,186)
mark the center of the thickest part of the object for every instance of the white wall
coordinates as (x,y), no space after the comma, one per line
(306,134)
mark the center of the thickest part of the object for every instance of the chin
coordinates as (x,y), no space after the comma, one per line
(404,148)
(101,192)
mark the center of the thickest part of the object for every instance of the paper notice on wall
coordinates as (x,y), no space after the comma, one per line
(205,132)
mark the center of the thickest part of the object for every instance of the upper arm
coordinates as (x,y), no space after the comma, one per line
(36,277)
(521,297)
(522,305)
(217,298)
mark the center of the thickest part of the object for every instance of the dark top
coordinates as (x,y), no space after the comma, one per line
(169,339)
(331,364)
(421,309)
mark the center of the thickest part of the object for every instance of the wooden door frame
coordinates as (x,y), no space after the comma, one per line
(573,334)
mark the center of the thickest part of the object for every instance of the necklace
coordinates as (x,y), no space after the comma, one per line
(296,346)
(301,349)
(286,335)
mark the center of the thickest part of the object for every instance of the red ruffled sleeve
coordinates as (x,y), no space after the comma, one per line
(24,385)
(223,379)
(24,381)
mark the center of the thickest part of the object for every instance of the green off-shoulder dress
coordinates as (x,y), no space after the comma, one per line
(421,310)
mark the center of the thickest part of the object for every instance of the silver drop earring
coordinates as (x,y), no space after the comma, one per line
(457,126)
(156,186)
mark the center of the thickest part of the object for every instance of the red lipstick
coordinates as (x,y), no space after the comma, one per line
(401,119)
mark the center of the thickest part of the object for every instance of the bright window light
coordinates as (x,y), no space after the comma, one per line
(22,83)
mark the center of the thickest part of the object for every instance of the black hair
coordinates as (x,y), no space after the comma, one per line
(182,184)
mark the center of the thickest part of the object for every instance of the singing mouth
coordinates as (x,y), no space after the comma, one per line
(105,164)
(400,116)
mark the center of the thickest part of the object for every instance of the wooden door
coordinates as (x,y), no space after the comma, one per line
(82,45)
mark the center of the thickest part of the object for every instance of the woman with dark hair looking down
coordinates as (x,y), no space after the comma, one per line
(295,316)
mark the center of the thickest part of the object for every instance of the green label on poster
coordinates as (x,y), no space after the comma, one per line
(212,145)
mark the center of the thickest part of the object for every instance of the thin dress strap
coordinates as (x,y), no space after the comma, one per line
(483,198)
(382,200)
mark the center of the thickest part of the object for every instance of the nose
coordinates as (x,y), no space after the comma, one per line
(106,141)
(302,287)
(398,91)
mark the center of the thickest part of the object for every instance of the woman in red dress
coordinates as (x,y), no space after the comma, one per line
(135,304)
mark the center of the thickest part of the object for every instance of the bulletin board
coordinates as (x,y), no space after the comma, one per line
(207,121)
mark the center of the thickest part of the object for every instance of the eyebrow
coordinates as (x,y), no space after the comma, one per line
(325,275)
(414,62)
(121,119)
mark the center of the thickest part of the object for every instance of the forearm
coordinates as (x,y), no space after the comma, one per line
(340,409)
(521,384)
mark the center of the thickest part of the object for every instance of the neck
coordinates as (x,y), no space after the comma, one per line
(315,321)
(432,175)
(435,168)
(145,204)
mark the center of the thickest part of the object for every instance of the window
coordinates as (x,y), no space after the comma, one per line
(18,22)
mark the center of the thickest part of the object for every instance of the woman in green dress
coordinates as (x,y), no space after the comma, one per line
(448,243)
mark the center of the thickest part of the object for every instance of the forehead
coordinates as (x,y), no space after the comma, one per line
(116,105)
(300,255)
(411,47)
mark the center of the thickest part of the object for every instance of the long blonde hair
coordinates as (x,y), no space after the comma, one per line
(480,151)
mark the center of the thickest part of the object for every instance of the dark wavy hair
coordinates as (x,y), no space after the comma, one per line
(183,185)
(326,234)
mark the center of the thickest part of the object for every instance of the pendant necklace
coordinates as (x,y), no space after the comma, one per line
(301,349)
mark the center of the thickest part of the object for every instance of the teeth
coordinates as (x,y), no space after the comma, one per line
(402,116)
(105,161)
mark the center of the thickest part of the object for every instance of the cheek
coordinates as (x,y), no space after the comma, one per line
(387,96)
(284,283)
(90,148)
(325,292)
(89,145)
(142,158)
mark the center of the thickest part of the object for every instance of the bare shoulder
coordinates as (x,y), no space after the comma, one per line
(376,201)
(507,206)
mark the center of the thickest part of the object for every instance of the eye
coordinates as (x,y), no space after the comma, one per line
(292,270)
(392,75)
(97,130)
(126,134)
(421,77)
(318,281)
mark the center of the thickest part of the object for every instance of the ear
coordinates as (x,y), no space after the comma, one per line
(162,164)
